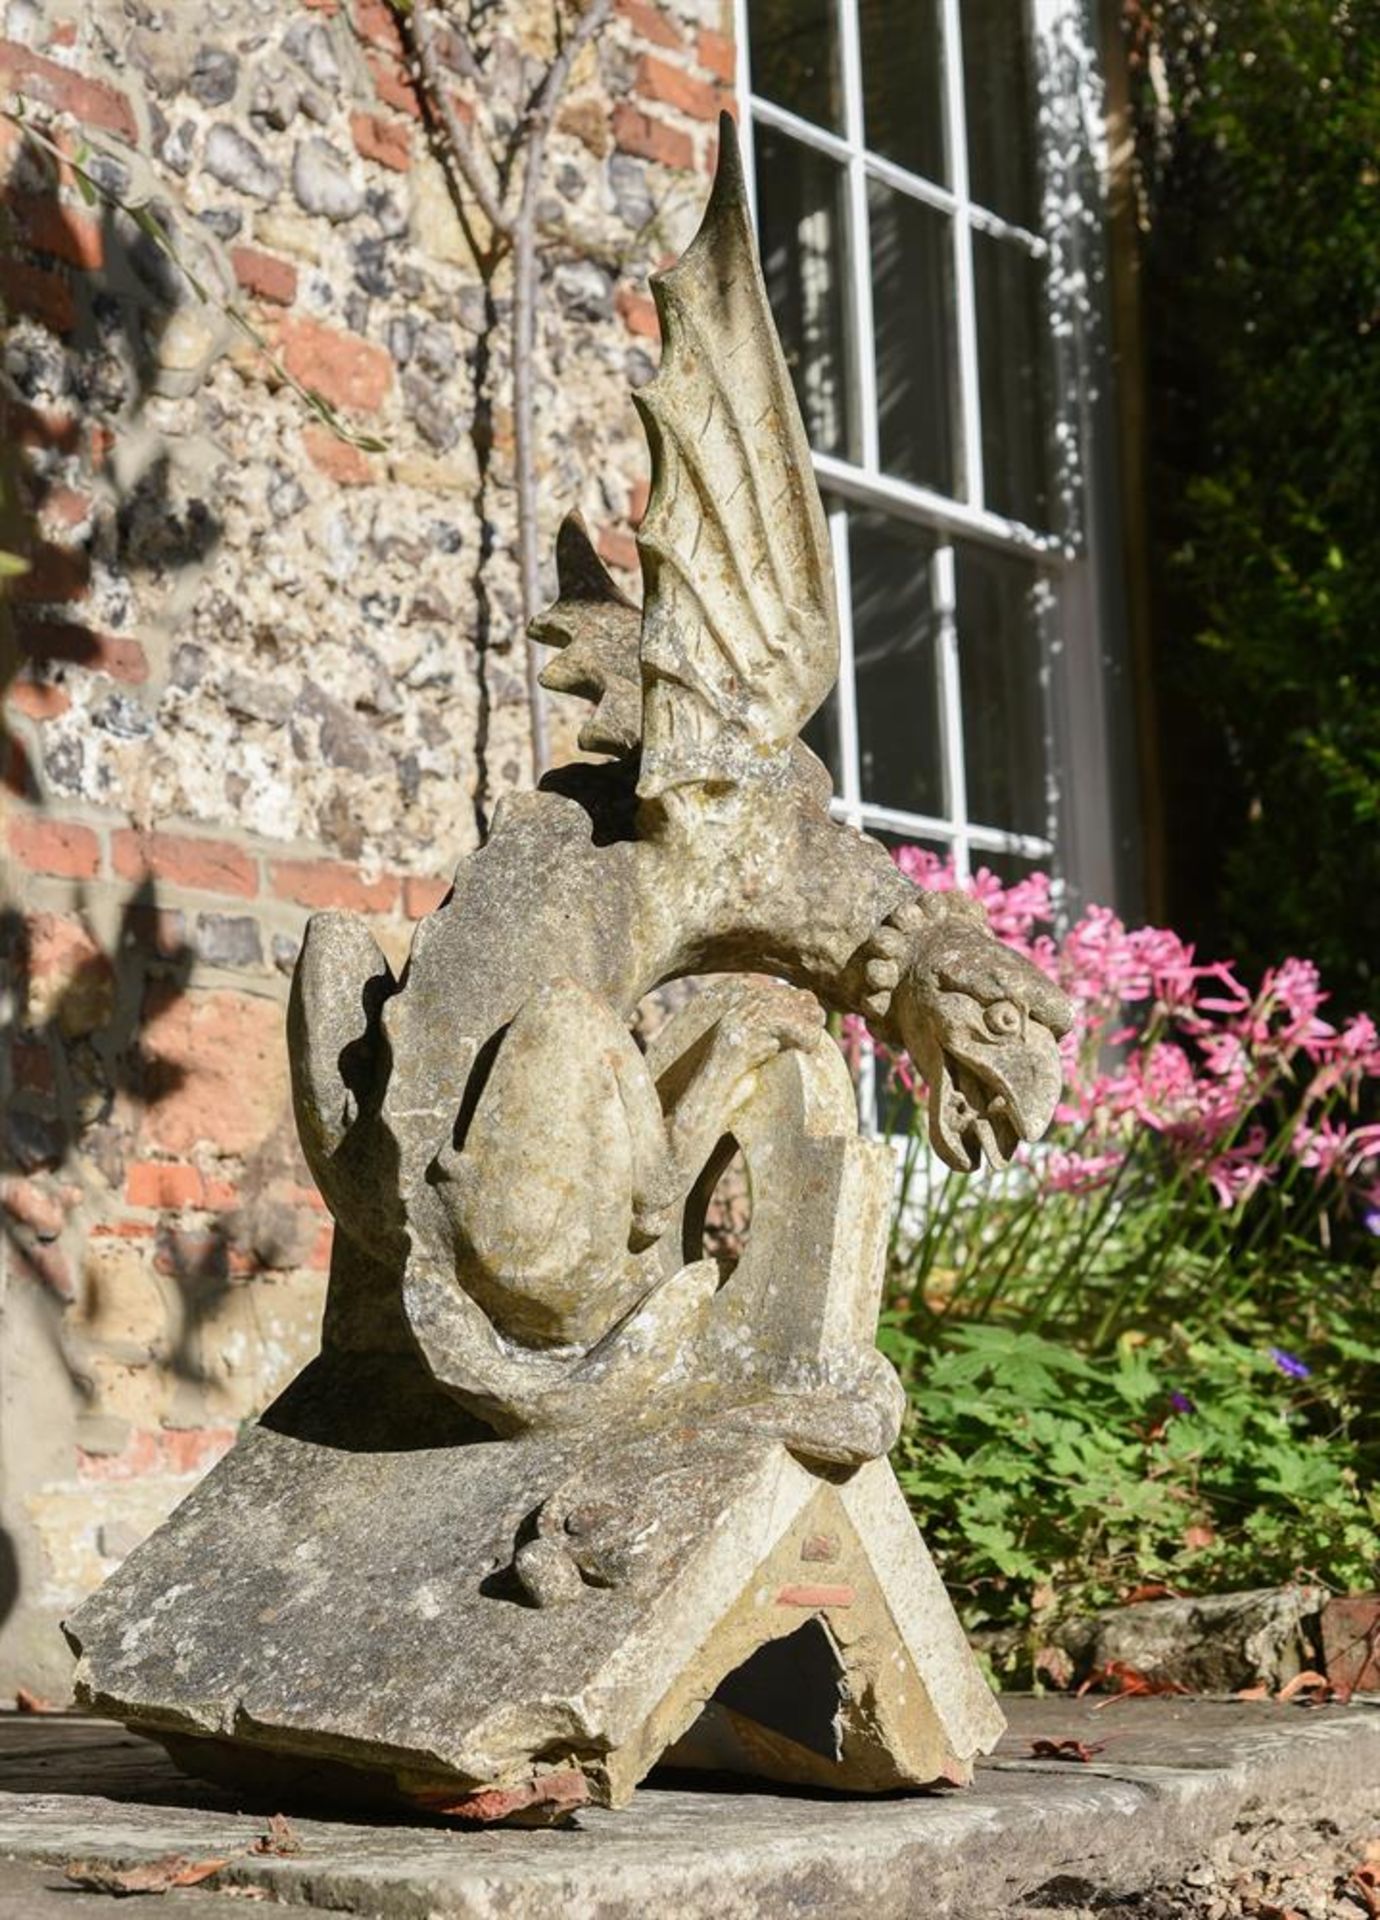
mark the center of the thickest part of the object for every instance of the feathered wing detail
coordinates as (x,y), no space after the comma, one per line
(739,629)
(595,625)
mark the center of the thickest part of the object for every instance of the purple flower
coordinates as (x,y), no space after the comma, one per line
(1181,1403)
(1290,1364)
(1370,1219)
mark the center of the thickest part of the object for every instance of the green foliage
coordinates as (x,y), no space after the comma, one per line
(1050,1482)
(1260,149)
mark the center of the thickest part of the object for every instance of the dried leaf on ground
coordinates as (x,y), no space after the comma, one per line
(1260,1692)
(1066,1749)
(145,1876)
(1316,1685)
(26,1701)
(280,1837)
(1130,1683)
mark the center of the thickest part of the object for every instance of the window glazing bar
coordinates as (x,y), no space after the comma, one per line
(859,263)
(956,126)
(942,576)
(930,509)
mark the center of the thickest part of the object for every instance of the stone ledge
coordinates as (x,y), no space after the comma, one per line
(1172,1776)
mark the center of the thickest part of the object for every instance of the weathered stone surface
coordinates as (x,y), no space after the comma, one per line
(1211,1644)
(520,1189)
(1174,1780)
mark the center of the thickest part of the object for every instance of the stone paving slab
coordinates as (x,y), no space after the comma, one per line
(1172,1776)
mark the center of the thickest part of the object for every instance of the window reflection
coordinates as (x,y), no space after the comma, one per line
(895,668)
(1001,672)
(913,323)
(1013,377)
(793,56)
(801,229)
(1000,105)
(903,84)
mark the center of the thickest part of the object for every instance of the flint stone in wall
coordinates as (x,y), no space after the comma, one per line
(276,98)
(322,181)
(257,699)
(237,162)
(341,739)
(632,197)
(214,76)
(584,290)
(309,44)
(228,940)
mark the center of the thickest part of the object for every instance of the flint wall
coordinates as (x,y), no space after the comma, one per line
(254,670)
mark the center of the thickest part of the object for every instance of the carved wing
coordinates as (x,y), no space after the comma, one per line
(739,631)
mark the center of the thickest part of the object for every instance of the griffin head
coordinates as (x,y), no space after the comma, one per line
(982,1025)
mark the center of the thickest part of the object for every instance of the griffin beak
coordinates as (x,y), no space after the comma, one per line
(984,1102)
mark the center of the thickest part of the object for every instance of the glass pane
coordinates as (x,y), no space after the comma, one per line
(800,219)
(894,668)
(1000,668)
(793,58)
(903,91)
(999,98)
(913,325)
(1009,868)
(1013,378)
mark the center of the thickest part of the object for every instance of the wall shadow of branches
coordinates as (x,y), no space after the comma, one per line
(85,298)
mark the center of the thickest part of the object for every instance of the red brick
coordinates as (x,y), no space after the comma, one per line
(48,227)
(379,138)
(179,1451)
(37,427)
(345,370)
(327,7)
(123,1230)
(210,866)
(55,573)
(638,313)
(347,465)
(672,86)
(58,847)
(421,896)
(717,52)
(49,640)
(392,84)
(264,275)
(37,699)
(638,495)
(71,982)
(648,21)
(65,507)
(164,1183)
(806,1595)
(638,133)
(37,293)
(332,883)
(376,22)
(35,1207)
(318,1258)
(90,102)
(619,549)
(214,1071)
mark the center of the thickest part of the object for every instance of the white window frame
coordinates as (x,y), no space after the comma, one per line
(1091,839)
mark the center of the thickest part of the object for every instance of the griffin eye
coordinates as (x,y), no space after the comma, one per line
(1004,1018)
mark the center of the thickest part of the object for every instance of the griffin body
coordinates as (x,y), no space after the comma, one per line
(488,1128)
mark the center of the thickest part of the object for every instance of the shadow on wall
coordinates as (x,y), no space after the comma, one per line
(87,298)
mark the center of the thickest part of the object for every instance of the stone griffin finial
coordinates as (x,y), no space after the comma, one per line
(489,1123)
(519,1190)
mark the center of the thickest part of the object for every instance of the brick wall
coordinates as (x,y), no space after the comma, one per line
(255,670)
